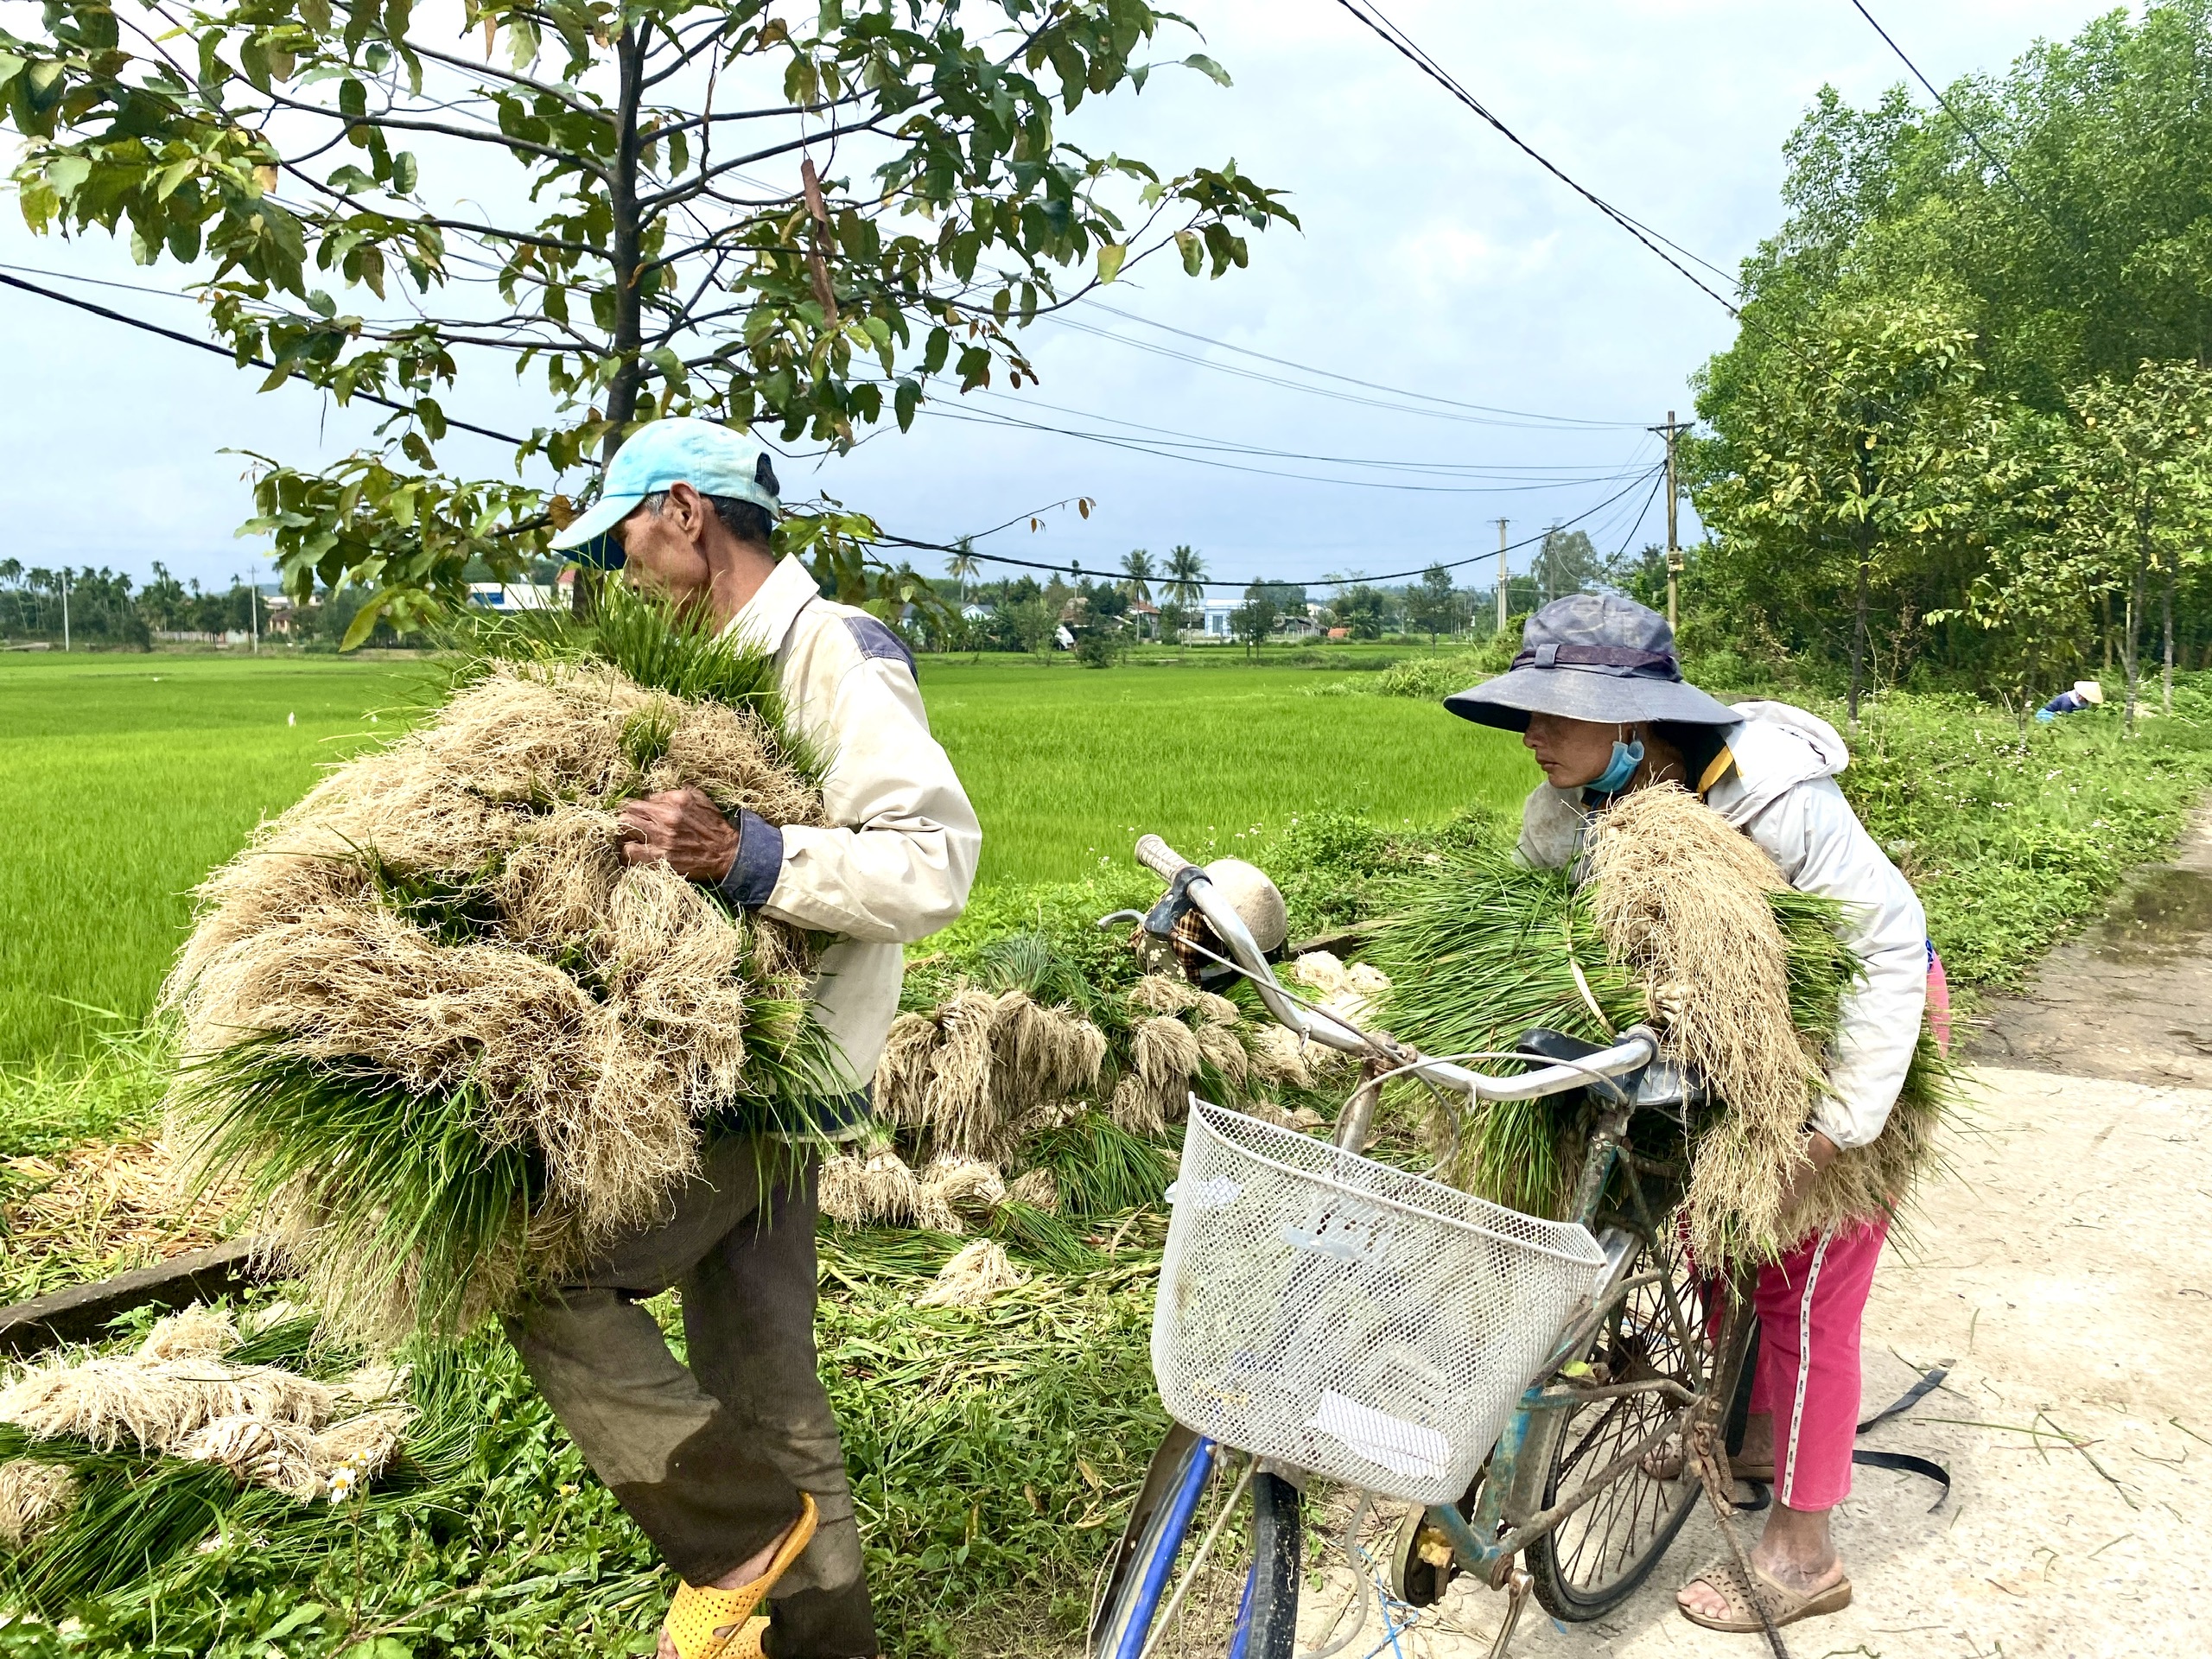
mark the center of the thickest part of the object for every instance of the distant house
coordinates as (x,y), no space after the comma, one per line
(1214,619)
(972,612)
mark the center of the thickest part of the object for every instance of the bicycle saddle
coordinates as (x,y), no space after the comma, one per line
(1556,1044)
(1659,1086)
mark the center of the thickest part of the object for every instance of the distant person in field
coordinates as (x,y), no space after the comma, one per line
(731,1463)
(1600,699)
(2084,694)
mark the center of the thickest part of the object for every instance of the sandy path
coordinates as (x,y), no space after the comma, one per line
(2063,1269)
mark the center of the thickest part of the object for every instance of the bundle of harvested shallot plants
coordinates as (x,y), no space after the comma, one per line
(1685,922)
(447,1040)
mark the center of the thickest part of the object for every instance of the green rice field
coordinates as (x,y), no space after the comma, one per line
(124,778)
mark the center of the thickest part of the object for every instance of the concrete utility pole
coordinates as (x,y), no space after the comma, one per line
(64,607)
(1501,574)
(1673,542)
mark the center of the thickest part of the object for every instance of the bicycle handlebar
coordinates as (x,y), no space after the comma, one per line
(1159,858)
(1637,1047)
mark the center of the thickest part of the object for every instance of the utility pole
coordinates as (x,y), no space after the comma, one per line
(64,607)
(1501,574)
(253,607)
(1674,541)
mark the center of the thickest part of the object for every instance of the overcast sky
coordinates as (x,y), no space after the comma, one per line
(1435,259)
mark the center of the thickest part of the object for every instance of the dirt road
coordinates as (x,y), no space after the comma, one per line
(2062,1270)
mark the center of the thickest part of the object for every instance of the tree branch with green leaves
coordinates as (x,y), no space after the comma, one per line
(383,202)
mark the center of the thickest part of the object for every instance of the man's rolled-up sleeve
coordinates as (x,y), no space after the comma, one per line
(900,856)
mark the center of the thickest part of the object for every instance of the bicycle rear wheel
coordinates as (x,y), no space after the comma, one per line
(1597,1556)
(1207,1563)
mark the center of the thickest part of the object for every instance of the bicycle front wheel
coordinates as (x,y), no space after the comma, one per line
(1207,1564)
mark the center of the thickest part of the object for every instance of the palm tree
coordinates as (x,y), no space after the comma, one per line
(1186,577)
(1185,588)
(961,566)
(1136,581)
(1136,576)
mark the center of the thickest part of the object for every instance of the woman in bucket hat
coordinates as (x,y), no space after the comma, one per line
(1599,698)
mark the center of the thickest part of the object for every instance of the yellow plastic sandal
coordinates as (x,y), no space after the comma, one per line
(709,1624)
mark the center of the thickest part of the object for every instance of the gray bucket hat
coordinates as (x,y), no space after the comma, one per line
(1593,657)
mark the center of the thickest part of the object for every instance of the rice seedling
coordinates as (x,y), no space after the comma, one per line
(1043,1236)
(1100,1168)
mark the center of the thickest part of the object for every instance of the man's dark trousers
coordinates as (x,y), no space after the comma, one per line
(709,1460)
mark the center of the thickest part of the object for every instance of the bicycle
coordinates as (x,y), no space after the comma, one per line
(1573,1503)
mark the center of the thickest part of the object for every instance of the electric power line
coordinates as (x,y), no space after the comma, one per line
(1138,446)
(1350,380)
(1173,438)
(1965,126)
(1063,319)
(1650,238)
(1403,44)
(1074,568)
(1642,513)
(222,352)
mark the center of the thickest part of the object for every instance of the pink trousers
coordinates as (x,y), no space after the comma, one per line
(1809,1306)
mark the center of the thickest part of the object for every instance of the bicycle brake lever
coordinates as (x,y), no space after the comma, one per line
(1160,921)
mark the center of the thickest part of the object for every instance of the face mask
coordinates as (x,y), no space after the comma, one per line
(1627,757)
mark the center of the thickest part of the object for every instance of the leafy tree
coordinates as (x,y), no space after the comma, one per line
(1364,610)
(1840,463)
(1256,619)
(1031,622)
(2081,252)
(2138,495)
(1100,646)
(1566,562)
(800,215)
(1433,606)
(1103,599)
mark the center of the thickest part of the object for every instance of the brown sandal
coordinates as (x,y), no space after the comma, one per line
(1665,1463)
(1783,1606)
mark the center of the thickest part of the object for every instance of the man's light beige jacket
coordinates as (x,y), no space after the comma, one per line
(897,855)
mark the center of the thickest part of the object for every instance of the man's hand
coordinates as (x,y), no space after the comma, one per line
(1819,1153)
(681,828)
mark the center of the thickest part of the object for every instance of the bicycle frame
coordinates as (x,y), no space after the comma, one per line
(1486,1543)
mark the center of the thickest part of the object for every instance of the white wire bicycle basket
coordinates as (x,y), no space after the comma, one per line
(1347,1318)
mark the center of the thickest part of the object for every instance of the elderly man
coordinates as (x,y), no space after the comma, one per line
(731,1465)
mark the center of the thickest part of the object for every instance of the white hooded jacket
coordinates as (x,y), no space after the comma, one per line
(1775,780)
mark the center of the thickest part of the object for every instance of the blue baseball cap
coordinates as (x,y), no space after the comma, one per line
(713,459)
